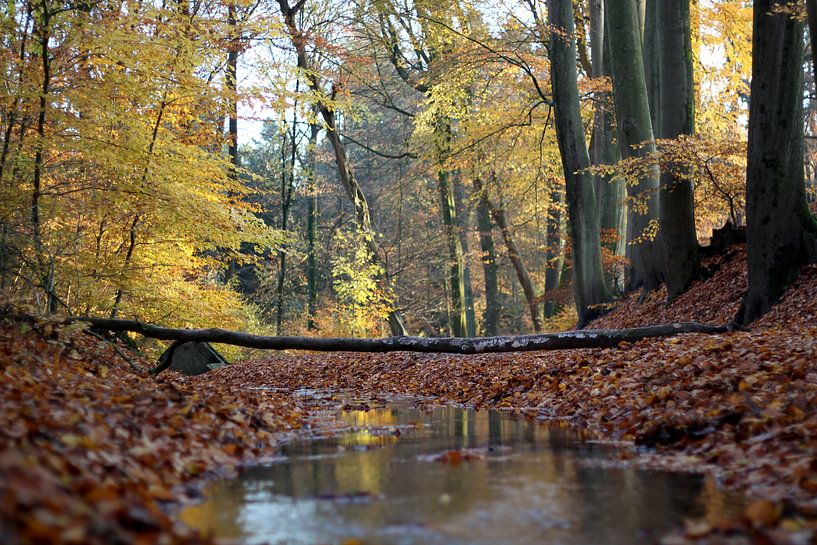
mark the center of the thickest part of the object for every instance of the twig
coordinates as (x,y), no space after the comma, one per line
(117,349)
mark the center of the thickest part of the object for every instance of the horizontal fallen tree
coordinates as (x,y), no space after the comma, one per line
(588,338)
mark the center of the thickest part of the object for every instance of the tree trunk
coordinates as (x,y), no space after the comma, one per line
(677,117)
(635,138)
(568,340)
(456,274)
(312,227)
(555,254)
(42,29)
(345,173)
(463,224)
(590,290)
(610,192)
(780,229)
(457,315)
(641,9)
(811,12)
(650,53)
(498,213)
(490,320)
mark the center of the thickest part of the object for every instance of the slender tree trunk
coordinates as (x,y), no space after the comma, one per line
(677,117)
(345,173)
(231,79)
(463,224)
(457,316)
(555,254)
(498,213)
(12,111)
(590,291)
(635,138)
(456,278)
(781,230)
(45,272)
(312,227)
(489,266)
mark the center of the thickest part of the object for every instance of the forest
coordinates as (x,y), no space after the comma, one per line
(362,169)
(625,190)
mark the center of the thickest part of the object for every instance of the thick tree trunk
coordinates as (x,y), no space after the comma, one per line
(345,173)
(590,291)
(610,193)
(635,138)
(781,230)
(590,338)
(490,320)
(677,117)
(650,53)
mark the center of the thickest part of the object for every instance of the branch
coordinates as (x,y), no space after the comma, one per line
(600,338)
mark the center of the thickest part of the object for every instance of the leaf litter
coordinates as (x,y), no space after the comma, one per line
(92,452)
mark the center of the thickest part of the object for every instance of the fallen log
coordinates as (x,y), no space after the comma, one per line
(588,338)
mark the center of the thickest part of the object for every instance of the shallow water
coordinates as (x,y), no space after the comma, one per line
(379,482)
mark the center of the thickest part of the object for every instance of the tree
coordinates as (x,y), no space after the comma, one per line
(610,191)
(344,167)
(430,47)
(589,287)
(781,229)
(635,137)
(677,117)
(490,321)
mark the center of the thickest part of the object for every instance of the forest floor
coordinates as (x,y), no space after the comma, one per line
(93,452)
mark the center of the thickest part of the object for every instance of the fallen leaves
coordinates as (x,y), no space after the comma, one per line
(744,401)
(90,451)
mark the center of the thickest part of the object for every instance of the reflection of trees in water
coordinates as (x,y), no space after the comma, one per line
(544,485)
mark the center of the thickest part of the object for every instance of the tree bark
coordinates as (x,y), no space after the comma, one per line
(312,227)
(650,53)
(590,290)
(612,193)
(457,315)
(498,213)
(592,338)
(463,222)
(677,117)
(555,254)
(456,273)
(780,229)
(635,138)
(490,321)
(811,13)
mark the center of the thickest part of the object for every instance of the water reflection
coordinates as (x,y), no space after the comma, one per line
(536,484)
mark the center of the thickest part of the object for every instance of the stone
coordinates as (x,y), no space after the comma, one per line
(194,358)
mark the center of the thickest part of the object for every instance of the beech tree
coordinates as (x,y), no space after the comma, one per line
(635,137)
(589,287)
(676,117)
(781,230)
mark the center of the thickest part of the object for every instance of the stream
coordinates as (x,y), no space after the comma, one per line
(394,473)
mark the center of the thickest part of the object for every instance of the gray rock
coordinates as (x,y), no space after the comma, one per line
(194,358)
